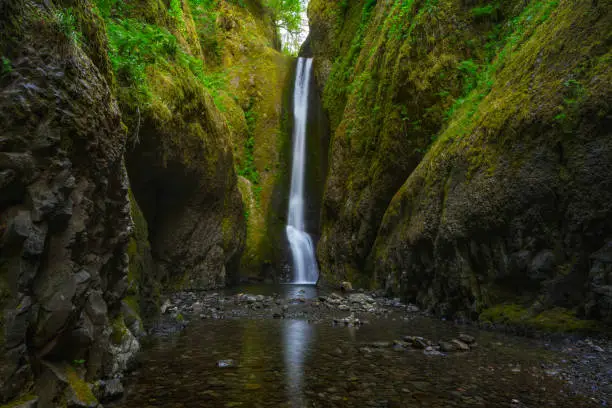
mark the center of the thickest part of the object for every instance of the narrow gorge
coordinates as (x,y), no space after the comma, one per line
(291,203)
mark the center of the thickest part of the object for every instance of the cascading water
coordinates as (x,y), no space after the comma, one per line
(302,248)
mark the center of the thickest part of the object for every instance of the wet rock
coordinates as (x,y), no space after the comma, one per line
(196,307)
(447,347)
(109,390)
(466,338)
(32,403)
(412,309)
(96,308)
(417,342)
(227,364)
(380,344)
(360,298)
(346,286)
(461,346)
(431,351)
(401,344)
(165,306)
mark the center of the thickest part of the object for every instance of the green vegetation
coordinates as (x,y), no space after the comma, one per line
(66,21)
(479,79)
(553,320)
(340,83)
(288,16)
(248,169)
(490,11)
(81,389)
(19,401)
(136,47)
(6,67)
(205,13)
(119,330)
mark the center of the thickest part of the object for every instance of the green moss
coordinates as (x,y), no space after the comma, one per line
(81,389)
(19,401)
(119,330)
(6,67)
(485,11)
(552,320)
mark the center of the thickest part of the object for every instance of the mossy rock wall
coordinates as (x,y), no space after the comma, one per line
(255,105)
(179,150)
(64,209)
(470,160)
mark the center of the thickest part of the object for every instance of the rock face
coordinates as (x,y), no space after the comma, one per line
(256,107)
(179,154)
(470,159)
(64,210)
(183,179)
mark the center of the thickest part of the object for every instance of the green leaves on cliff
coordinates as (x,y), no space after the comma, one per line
(248,169)
(478,79)
(6,67)
(205,13)
(68,24)
(135,46)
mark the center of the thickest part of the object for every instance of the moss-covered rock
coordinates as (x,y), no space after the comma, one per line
(548,321)
(64,210)
(483,139)
(255,105)
(179,154)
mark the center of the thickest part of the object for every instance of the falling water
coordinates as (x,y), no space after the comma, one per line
(302,248)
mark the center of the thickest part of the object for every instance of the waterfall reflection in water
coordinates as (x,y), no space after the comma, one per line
(293,363)
(296,340)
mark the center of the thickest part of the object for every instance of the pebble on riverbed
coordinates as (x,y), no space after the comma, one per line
(227,364)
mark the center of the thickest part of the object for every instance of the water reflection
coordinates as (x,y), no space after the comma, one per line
(291,363)
(295,291)
(285,290)
(297,336)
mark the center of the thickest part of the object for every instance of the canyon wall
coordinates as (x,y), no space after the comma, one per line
(471,151)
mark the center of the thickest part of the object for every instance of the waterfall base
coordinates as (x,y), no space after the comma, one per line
(304,260)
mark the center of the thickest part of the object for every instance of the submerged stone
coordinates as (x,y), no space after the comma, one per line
(227,364)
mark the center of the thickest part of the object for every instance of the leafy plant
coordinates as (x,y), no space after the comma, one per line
(205,13)
(489,10)
(469,70)
(66,21)
(7,66)
(135,45)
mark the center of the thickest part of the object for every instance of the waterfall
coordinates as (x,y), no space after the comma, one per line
(302,248)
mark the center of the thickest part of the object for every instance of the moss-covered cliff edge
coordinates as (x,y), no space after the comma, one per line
(470,159)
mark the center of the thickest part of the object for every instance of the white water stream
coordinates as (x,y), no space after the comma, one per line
(302,249)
